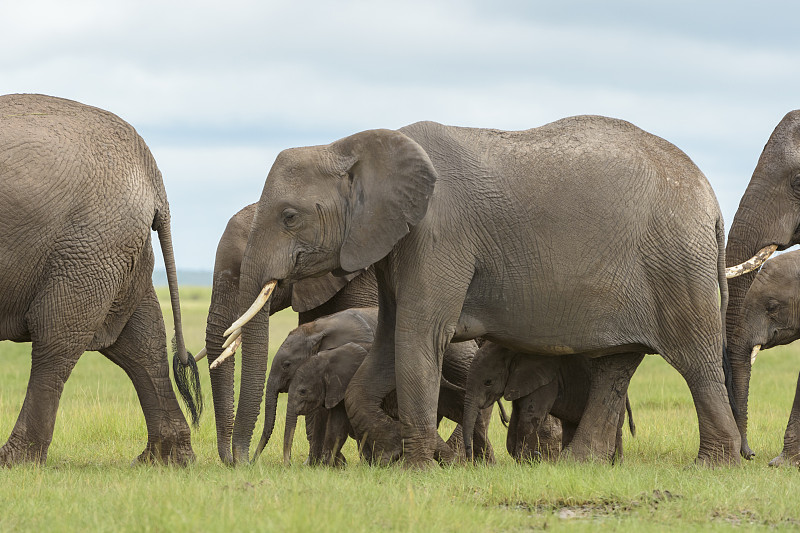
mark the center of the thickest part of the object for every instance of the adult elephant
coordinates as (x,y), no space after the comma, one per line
(312,298)
(768,218)
(80,192)
(586,235)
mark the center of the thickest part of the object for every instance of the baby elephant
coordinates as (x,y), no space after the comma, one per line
(539,388)
(770,317)
(350,326)
(320,383)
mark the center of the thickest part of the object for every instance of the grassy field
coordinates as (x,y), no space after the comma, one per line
(88,483)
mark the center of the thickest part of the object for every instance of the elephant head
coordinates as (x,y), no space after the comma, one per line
(320,381)
(768,218)
(500,372)
(339,207)
(771,307)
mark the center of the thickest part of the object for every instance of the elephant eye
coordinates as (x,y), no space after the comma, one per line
(287,364)
(772,305)
(302,392)
(487,383)
(290,217)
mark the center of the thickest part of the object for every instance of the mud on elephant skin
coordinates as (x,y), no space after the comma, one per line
(311,298)
(770,316)
(539,388)
(77,260)
(768,218)
(509,235)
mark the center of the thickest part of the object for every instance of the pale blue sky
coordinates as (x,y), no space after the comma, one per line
(218,89)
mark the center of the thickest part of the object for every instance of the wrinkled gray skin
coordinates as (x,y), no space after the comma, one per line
(537,387)
(357,326)
(312,298)
(769,213)
(79,194)
(587,227)
(771,317)
(352,326)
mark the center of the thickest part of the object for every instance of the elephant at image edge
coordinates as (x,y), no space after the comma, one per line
(77,263)
(357,326)
(769,317)
(312,299)
(537,387)
(555,240)
(768,218)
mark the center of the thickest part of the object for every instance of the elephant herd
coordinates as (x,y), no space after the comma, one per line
(435,270)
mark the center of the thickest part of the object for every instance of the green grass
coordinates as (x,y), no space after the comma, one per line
(88,483)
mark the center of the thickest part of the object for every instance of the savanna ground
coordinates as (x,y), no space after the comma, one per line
(88,483)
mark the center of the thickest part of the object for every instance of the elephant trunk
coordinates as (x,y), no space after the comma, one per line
(288,434)
(221,313)
(270,409)
(255,352)
(468,424)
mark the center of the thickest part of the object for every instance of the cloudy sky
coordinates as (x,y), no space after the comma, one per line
(218,89)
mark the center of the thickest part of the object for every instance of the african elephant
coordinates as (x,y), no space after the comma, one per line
(352,326)
(81,192)
(320,382)
(536,386)
(584,236)
(769,317)
(768,218)
(312,299)
(357,326)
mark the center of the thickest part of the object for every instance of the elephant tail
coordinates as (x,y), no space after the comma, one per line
(723,309)
(184,367)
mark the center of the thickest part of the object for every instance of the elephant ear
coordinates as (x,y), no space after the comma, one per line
(528,373)
(310,293)
(344,361)
(388,184)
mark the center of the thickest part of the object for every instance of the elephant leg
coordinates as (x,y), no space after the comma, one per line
(336,431)
(568,430)
(59,336)
(141,351)
(316,422)
(550,435)
(595,437)
(790,455)
(533,409)
(511,436)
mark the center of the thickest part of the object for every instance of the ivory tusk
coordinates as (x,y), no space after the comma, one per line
(259,302)
(752,263)
(201,355)
(229,351)
(754,354)
(235,335)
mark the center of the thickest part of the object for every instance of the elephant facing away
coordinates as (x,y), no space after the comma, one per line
(538,387)
(81,193)
(768,219)
(311,298)
(584,236)
(770,316)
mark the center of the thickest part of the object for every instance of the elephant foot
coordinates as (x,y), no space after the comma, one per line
(166,454)
(786,459)
(720,455)
(13,453)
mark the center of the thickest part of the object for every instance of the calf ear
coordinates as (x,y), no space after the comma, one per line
(344,361)
(528,373)
(310,293)
(387,185)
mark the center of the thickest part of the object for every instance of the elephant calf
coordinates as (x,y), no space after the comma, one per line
(357,326)
(548,395)
(771,317)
